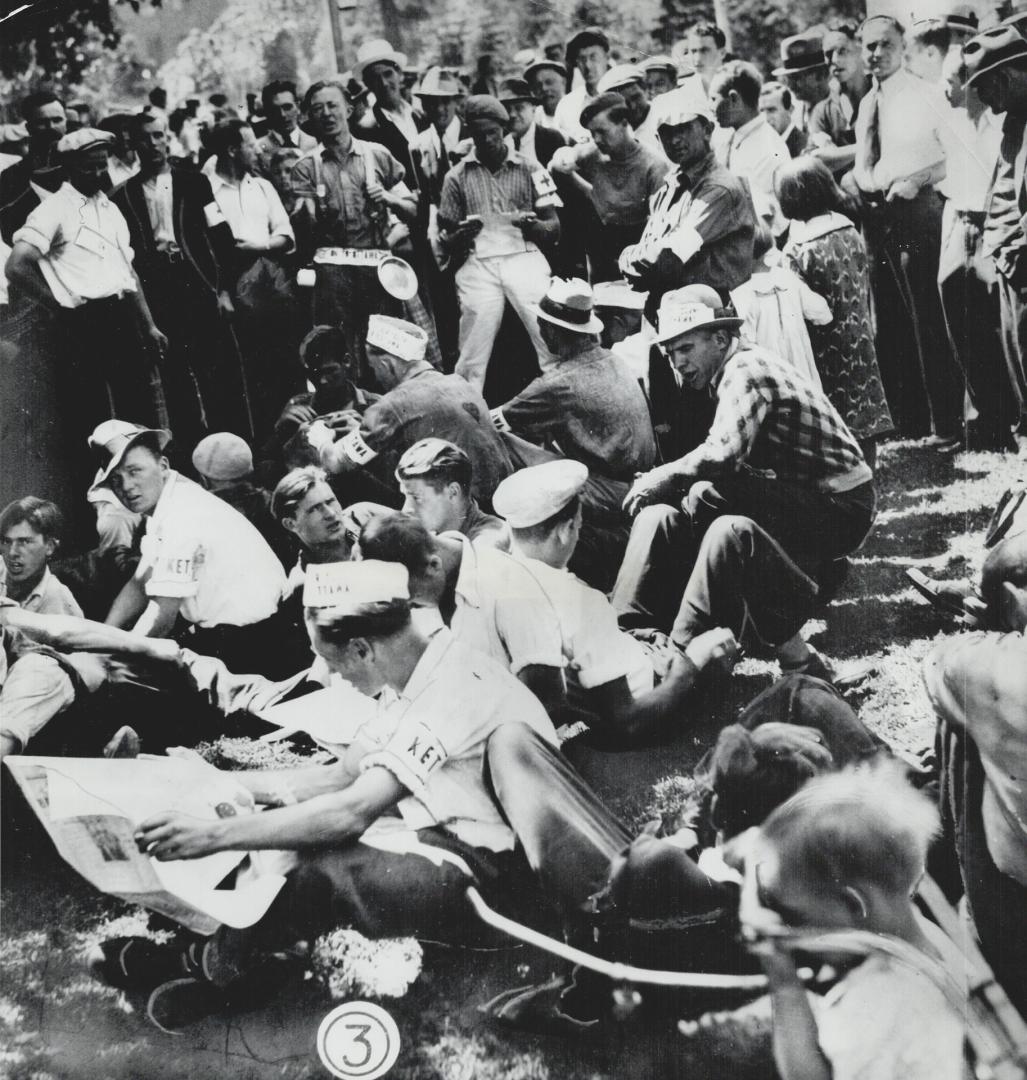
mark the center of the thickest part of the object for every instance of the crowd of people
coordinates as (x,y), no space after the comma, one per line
(524,406)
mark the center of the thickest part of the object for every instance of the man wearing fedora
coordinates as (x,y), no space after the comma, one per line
(996,66)
(396,123)
(774,497)
(202,561)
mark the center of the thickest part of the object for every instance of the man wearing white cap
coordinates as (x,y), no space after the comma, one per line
(419,760)
(585,405)
(611,675)
(419,402)
(548,81)
(776,495)
(72,278)
(628,80)
(201,560)
(701,222)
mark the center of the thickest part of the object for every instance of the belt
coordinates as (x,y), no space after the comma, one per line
(171,256)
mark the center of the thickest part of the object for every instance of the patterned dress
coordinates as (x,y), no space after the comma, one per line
(828,254)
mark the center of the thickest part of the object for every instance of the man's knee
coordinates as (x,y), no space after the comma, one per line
(511,746)
(730,534)
(36,690)
(655,523)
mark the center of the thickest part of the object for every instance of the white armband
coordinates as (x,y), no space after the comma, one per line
(411,755)
(356,449)
(320,435)
(684,242)
(212,212)
(500,420)
(545,189)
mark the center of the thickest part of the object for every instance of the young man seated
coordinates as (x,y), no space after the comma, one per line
(30,534)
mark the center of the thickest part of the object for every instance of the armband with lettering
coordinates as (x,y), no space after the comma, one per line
(411,755)
(502,424)
(356,449)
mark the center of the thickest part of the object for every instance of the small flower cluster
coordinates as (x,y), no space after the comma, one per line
(350,965)
(241,753)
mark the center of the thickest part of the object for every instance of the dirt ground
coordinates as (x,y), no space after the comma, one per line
(56,1022)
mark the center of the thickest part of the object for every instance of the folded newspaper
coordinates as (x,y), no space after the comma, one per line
(92,806)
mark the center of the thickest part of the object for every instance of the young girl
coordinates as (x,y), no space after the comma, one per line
(847,853)
(826,250)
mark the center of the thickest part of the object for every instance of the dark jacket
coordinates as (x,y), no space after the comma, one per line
(385,132)
(547,142)
(207,249)
(17,196)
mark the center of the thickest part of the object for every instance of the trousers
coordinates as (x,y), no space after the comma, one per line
(484,286)
(36,689)
(747,552)
(1013,321)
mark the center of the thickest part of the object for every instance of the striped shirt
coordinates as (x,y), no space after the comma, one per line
(771,420)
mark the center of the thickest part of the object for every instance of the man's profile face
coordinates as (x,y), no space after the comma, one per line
(353,661)
(25,552)
(725,103)
(697,356)
(637,101)
(139,479)
(772,108)
(437,507)
(318,518)
(810,86)
(844,57)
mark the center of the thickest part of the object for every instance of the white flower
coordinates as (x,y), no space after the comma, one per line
(351,965)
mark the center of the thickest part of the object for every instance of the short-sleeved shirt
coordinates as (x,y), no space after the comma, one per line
(199,549)
(517,186)
(591,409)
(87,254)
(755,151)
(252,208)
(432,738)
(621,190)
(429,404)
(336,182)
(50,596)
(597,650)
(501,610)
(705,216)
(769,418)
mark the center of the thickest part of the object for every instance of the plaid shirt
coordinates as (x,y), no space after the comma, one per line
(771,420)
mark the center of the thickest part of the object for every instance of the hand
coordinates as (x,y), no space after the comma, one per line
(564,160)
(344,420)
(161,650)
(778,965)
(655,486)
(377,194)
(902,189)
(158,339)
(251,246)
(716,644)
(298,415)
(225,305)
(320,435)
(530,226)
(169,836)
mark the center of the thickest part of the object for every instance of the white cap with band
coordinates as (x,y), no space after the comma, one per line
(397,337)
(349,587)
(533,495)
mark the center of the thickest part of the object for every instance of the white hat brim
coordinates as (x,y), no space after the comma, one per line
(594,325)
(725,322)
(103,475)
(397,58)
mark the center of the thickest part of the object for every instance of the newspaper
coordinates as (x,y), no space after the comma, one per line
(91,808)
(331,717)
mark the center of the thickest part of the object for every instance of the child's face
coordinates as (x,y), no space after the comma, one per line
(25,552)
(783,889)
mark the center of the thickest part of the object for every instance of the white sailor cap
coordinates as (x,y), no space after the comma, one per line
(350,588)
(620,75)
(397,337)
(680,106)
(534,495)
(83,139)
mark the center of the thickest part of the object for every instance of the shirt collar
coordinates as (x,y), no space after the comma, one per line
(732,351)
(696,172)
(160,511)
(512,157)
(467,586)
(72,192)
(217,182)
(801,232)
(424,670)
(335,154)
(749,128)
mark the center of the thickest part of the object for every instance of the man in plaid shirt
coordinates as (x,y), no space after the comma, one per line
(774,498)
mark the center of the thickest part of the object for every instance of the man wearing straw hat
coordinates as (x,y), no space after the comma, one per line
(775,497)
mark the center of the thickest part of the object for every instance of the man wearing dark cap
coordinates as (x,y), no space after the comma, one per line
(588,52)
(499,210)
(526,136)
(45,122)
(72,276)
(548,81)
(996,64)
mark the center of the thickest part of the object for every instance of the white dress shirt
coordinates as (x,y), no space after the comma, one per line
(160,208)
(568,114)
(85,246)
(252,208)
(971,152)
(754,151)
(911,116)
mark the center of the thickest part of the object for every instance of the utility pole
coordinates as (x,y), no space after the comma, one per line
(337,42)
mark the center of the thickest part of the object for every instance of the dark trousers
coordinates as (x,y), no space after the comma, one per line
(922,382)
(1013,318)
(270,647)
(997,903)
(970,300)
(746,553)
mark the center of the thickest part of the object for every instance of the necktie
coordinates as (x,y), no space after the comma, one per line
(872,151)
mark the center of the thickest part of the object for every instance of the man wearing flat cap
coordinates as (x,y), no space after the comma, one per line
(775,496)
(548,81)
(996,66)
(201,559)
(72,279)
(419,401)
(499,210)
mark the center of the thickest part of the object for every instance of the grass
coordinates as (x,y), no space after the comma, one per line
(57,1023)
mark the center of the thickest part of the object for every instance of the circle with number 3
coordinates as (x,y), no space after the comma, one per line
(358,1041)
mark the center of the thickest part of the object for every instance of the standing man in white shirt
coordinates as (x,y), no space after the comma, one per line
(705,47)
(71,268)
(900,157)
(202,561)
(588,52)
(265,311)
(548,82)
(745,144)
